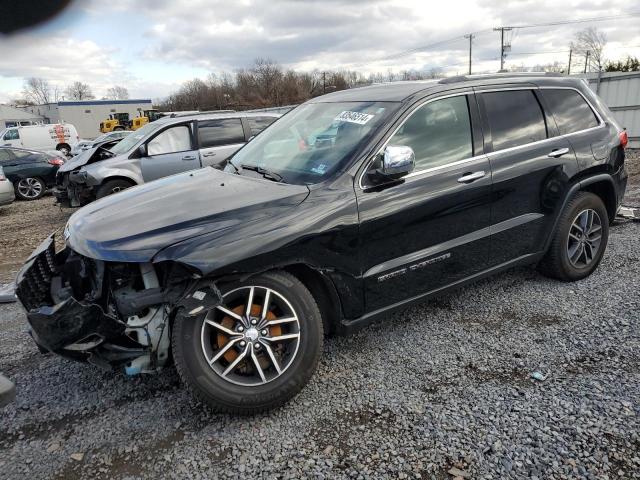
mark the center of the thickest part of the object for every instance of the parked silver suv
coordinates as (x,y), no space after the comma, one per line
(161,148)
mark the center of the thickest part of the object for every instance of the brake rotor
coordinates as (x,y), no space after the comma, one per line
(228,322)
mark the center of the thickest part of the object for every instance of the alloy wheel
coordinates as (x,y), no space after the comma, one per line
(585,236)
(30,188)
(252,338)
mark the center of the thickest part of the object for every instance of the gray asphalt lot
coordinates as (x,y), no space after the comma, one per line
(438,390)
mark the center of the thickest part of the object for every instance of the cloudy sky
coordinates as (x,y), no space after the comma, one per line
(150,47)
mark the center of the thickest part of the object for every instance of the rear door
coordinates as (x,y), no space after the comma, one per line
(531,166)
(170,151)
(218,139)
(432,228)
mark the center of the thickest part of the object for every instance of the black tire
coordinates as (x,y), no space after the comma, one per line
(117,129)
(30,188)
(221,394)
(556,263)
(112,186)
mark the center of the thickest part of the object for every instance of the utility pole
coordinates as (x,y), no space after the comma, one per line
(324,82)
(569,67)
(470,37)
(586,61)
(504,48)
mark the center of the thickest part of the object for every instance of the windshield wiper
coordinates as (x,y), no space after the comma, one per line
(276,177)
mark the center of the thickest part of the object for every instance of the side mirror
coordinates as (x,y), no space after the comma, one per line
(397,161)
(142,150)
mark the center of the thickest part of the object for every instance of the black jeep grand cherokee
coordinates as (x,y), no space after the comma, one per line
(352,205)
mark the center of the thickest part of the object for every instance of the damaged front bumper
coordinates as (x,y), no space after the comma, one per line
(110,314)
(72,190)
(59,322)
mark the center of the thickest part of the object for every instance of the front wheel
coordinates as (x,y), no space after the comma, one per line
(256,350)
(579,241)
(112,186)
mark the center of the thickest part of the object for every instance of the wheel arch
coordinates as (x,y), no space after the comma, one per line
(601,185)
(119,177)
(603,188)
(323,291)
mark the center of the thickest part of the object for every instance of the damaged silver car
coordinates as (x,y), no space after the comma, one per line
(165,147)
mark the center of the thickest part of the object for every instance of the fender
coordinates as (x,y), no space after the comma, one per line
(106,174)
(572,191)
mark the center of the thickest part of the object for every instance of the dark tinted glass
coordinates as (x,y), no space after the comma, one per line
(258,124)
(224,131)
(515,117)
(571,111)
(438,132)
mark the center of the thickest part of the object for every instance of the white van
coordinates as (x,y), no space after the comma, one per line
(58,136)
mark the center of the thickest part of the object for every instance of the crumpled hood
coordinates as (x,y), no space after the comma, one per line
(78,161)
(133,225)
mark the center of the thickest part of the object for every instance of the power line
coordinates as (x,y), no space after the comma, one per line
(410,51)
(583,20)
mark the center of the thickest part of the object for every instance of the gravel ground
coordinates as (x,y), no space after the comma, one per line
(439,390)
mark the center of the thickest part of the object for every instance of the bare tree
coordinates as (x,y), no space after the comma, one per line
(79,91)
(117,93)
(36,90)
(555,67)
(590,43)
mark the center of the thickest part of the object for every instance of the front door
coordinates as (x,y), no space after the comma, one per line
(218,139)
(169,152)
(431,229)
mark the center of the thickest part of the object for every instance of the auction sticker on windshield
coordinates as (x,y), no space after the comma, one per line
(354,117)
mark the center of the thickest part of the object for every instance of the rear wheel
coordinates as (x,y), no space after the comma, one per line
(256,350)
(30,188)
(580,239)
(112,186)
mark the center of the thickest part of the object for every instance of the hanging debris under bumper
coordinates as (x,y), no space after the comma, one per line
(107,313)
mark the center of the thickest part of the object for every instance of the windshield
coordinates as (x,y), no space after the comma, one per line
(129,141)
(314,140)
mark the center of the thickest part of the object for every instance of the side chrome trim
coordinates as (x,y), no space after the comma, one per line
(443,167)
(399,262)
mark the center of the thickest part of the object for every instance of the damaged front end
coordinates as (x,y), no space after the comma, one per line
(107,313)
(72,190)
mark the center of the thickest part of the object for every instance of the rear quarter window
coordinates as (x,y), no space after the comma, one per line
(257,124)
(515,118)
(570,110)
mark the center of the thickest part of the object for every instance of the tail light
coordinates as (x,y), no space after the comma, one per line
(2,177)
(624,138)
(55,161)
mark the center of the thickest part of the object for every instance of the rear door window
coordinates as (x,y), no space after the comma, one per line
(439,132)
(172,140)
(222,131)
(515,118)
(570,110)
(257,124)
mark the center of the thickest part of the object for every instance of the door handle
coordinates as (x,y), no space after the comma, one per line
(189,157)
(558,152)
(209,154)
(471,177)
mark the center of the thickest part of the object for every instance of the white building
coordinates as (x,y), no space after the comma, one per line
(11,117)
(86,115)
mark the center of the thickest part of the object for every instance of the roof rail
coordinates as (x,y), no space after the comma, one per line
(207,112)
(466,78)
